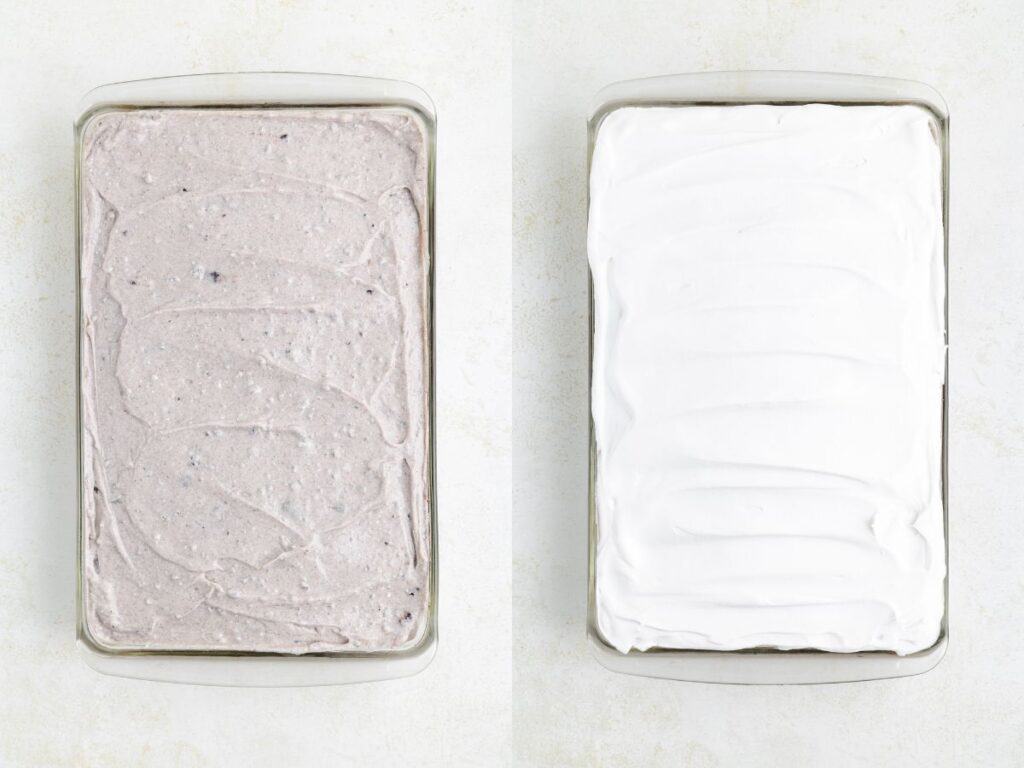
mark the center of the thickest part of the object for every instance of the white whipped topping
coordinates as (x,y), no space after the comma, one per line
(767,377)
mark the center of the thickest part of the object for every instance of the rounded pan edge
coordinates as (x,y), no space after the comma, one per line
(259,88)
(769,86)
(258,671)
(768,667)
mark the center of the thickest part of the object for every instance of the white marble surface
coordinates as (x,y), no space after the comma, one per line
(513,683)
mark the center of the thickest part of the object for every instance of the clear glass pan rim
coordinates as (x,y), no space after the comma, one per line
(789,88)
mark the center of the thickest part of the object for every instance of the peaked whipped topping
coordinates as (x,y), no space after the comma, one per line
(768,370)
(254,380)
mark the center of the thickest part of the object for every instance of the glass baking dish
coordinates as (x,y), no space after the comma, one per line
(766,665)
(264,90)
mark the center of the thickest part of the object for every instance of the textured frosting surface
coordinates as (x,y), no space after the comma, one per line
(767,377)
(254,379)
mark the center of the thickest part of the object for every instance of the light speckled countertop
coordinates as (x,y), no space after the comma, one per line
(513,682)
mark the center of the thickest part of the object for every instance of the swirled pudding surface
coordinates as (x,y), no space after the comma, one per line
(254,379)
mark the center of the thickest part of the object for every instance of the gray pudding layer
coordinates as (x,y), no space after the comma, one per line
(254,379)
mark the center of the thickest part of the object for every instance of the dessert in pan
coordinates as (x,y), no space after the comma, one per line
(255,379)
(768,377)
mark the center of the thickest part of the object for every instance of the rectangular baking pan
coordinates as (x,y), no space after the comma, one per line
(769,665)
(242,90)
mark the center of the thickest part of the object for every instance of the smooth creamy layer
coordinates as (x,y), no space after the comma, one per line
(254,379)
(767,377)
